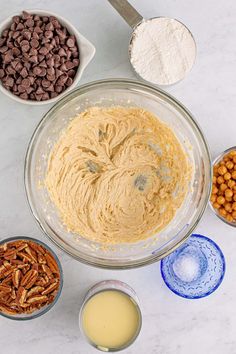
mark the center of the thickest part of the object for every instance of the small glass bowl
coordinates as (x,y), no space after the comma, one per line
(46,308)
(121,287)
(206,275)
(217,160)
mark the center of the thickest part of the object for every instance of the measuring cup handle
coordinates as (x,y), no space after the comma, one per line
(127,11)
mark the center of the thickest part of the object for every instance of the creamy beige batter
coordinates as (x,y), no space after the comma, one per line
(117,175)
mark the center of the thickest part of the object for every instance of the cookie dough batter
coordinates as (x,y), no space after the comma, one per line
(117,175)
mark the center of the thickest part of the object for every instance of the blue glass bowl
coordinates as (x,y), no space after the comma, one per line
(194,270)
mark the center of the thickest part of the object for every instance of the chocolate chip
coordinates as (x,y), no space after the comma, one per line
(2,73)
(46,83)
(24,96)
(15,51)
(21,88)
(10,70)
(3,49)
(13,26)
(29,22)
(16,19)
(25,83)
(58,73)
(33,59)
(45,96)
(76,62)
(9,81)
(49,26)
(18,67)
(38,97)
(34,43)
(25,48)
(24,72)
(36,70)
(26,15)
(40,91)
(7,58)
(43,64)
(58,89)
(53,94)
(18,81)
(50,88)
(33,51)
(2,41)
(29,90)
(43,72)
(69,81)
(69,65)
(43,51)
(70,42)
(50,62)
(62,52)
(41,57)
(51,77)
(20,27)
(48,34)
(31,79)
(27,35)
(5,33)
(27,65)
(71,73)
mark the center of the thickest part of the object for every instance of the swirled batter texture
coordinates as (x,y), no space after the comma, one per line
(117,175)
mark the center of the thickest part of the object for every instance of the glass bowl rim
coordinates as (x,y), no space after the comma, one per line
(83,89)
(50,306)
(216,160)
(211,290)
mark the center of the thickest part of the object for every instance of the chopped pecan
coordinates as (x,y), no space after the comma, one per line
(25,269)
(36,247)
(21,295)
(29,278)
(10,254)
(16,277)
(37,299)
(35,291)
(41,259)
(5,288)
(52,263)
(3,247)
(24,256)
(32,254)
(6,309)
(7,280)
(50,288)
(47,270)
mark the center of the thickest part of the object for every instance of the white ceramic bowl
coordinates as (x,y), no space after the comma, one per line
(86,50)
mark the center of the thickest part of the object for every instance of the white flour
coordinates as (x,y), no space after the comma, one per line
(162,50)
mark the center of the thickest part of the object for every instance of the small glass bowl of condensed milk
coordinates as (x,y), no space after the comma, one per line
(110,318)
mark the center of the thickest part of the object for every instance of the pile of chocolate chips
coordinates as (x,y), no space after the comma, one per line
(38,57)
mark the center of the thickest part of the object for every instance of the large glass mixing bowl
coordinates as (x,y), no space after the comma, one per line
(124,93)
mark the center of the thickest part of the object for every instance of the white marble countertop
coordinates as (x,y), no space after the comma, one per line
(171,325)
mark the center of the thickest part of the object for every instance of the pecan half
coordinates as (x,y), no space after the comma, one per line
(37,299)
(29,278)
(52,263)
(16,277)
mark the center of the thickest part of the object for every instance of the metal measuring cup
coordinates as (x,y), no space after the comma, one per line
(134,19)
